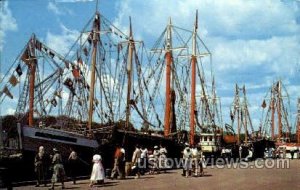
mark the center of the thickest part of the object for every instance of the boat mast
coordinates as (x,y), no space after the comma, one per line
(279,110)
(32,68)
(1,129)
(193,84)
(96,38)
(245,115)
(129,73)
(273,114)
(237,109)
(298,122)
(169,60)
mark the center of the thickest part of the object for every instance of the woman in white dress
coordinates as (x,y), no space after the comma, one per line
(98,170)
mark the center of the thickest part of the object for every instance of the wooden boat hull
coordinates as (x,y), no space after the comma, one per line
(21,168)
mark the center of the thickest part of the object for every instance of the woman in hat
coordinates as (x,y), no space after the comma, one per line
(97,171)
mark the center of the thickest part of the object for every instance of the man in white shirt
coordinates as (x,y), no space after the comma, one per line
(144,159)
(162,158)
(187,155)
(136,159)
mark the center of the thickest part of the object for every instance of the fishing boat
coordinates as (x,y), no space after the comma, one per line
(77,100)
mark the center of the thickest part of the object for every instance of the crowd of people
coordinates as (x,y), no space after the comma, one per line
(144,160)
(192,161)
(58,171)
(151,160)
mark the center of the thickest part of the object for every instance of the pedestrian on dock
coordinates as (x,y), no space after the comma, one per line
(156,154)
(163,158)
(122,163)
(73,161)
(58,169)
(240,152)
(40,166)
(118,157)
(144,159)
(97,175)
(187,156)
(136,161)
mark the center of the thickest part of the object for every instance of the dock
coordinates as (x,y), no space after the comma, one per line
(215,178)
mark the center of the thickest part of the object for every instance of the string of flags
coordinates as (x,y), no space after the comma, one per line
(7,92)
(69,83)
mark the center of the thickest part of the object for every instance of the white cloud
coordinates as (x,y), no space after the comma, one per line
(7,22)
(242,19)
(52,7)
(10,111)
(62,42)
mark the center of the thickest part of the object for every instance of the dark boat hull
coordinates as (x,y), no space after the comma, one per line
(109,138)
(104,142)
(21,168)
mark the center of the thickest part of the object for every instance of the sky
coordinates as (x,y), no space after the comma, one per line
(253,42)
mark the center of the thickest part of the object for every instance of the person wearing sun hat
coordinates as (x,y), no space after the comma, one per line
(97,174)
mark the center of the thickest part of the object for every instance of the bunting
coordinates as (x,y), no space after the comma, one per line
(38,45)
(85,51)
(7,92)
(231,116)
(79,102)
(90,37)
(58,93)
(19,70)
(79,60)
(264,105)
(87,86)
(96,102)
(76,72)
(13,80)
(67,64)
(51,54)
(69,83)
(25,56)
(54,102)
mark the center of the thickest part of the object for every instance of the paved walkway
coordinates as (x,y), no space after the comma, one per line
(214,179)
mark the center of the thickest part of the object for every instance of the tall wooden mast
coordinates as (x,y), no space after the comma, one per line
(272,114)
(129,72)
(96,38)
(32,68)
(169,60)
(193,84)
(298,122)
(245,111)
(279,100)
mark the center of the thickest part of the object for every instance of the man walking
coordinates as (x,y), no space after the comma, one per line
(136,159)
(40,166)
(187,155)
(58,169)
(144,159)
(73,160)
(117,161)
